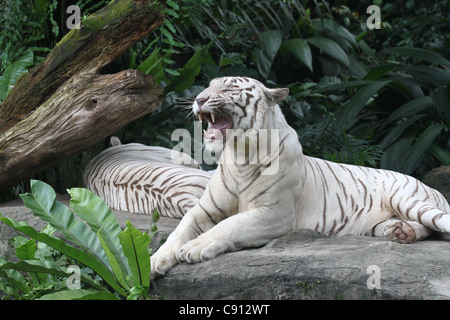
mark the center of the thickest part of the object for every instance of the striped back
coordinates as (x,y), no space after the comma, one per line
(138,178)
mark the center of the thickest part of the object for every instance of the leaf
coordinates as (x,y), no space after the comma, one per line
(300,49)
(422,145)
(189,71)
(270,42)
(441,100)
(154,67)
(397,130)
(331,48)
(101,220)
(379,72)
(440,154)
(406,154)
(135,244)
(418,53)
(42,202)
(14,278)
(13,72)
(79,294)
(118,270)
(347,115)
(10,291)
(428,77)
(321,24)
(26,250)
(83,257)
(343,85)
(410,108)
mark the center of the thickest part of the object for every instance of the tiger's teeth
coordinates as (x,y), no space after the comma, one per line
(213,118)
(200,117)
(204,132)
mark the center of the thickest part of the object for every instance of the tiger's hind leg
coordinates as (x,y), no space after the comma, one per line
(401,231)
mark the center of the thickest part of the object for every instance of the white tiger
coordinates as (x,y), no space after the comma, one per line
(242,207)
(137,178)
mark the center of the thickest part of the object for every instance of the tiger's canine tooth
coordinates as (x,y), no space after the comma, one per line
(213,118)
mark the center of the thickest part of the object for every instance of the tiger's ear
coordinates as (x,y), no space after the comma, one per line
(276,95)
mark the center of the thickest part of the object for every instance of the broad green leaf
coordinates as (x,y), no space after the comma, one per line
(408,151)
(26,250)
(13,72)
(348,114)
(79,294)
(331,48)
(426,76)
(189,71)
(135,244)
(270,42)
(342,85)
(118,270)
(101,220)
(440,154)
(153,66)
(397,130)
(410,108)
(332,25)
(10,291)
(85,258)
(299,48)
(14,278)
(42,202)
(419,53)
(421,146)
(441,100)
(379,72)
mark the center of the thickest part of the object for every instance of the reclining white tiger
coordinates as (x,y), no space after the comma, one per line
(242,207)
(137,178)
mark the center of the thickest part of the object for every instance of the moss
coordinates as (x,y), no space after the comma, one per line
(74,40)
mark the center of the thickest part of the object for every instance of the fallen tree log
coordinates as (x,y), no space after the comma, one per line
(65,105)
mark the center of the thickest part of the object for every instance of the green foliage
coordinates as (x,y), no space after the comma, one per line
(13,72)
(115,264)
(402,107)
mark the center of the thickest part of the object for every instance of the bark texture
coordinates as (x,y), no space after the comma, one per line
(65,105)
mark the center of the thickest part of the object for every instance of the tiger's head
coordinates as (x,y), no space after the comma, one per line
(235,103)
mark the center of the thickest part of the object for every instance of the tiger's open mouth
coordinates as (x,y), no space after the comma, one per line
(217,125)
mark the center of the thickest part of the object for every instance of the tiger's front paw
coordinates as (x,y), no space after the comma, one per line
(162,261)
(201,249)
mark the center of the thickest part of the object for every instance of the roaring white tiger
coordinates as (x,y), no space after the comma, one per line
(243,207)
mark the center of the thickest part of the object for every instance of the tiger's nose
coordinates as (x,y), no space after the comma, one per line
(201,101)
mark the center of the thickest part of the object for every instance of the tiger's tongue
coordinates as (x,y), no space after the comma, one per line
(222,124)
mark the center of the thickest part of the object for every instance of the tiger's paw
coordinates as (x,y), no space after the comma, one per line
(200,249)
(162,261)
(401,231)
